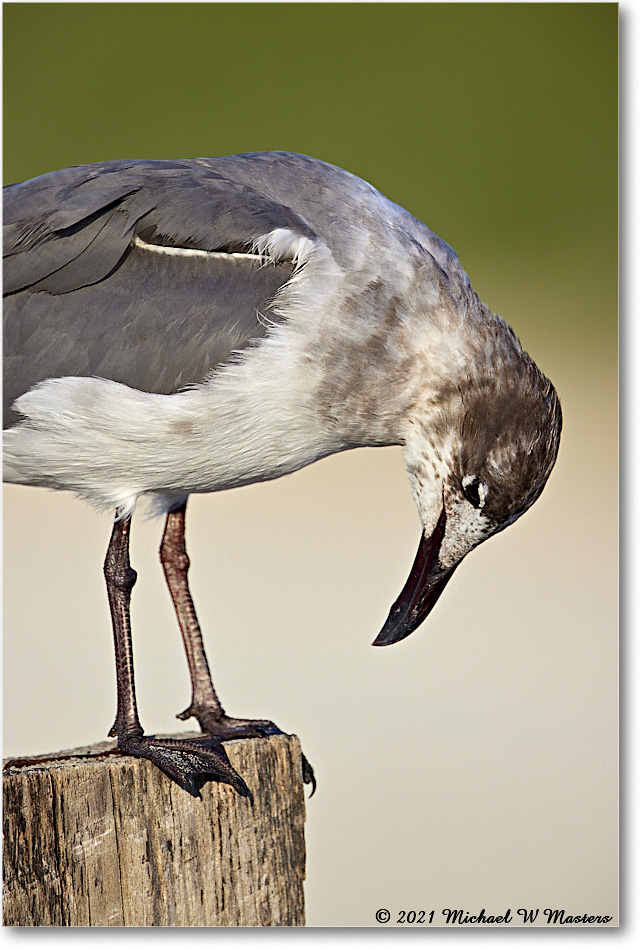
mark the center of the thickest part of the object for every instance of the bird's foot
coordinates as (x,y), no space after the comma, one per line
(308,774)
(189,762)
(215,722)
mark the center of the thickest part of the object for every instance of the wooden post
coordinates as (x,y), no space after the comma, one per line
(94,838)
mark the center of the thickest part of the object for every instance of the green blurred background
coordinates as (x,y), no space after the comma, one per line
(504,113)
(496,124)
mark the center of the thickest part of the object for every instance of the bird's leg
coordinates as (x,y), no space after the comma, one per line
(190,763)
(120,578)
(205,705)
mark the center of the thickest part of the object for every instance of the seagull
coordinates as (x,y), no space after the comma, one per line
(188,326)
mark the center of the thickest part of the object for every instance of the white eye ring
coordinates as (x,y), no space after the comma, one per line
(482,489)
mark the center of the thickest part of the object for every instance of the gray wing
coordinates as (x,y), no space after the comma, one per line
(82,299)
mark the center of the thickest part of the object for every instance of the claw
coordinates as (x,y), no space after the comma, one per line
(189,762)
(308,774)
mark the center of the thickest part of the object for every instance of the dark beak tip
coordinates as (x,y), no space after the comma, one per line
(394,630)
(387,641)
(383,640)
(421,591)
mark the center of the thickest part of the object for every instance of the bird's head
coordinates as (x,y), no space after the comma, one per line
(478,455)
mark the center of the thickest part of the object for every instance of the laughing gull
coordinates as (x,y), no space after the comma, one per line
(190,326)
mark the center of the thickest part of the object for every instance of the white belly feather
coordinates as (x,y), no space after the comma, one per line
(254,419)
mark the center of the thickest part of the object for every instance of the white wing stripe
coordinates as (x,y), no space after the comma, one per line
(192,251)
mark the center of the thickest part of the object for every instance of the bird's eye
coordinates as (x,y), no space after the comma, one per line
(474,490)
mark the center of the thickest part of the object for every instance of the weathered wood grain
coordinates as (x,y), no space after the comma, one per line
(99,839)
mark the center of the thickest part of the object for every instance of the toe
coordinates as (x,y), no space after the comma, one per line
(226,727)
(188,762)
(308,774)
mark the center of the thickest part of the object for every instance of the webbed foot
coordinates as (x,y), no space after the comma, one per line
(216,723)
(189,762)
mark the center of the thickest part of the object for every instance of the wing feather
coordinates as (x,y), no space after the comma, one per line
(84,297)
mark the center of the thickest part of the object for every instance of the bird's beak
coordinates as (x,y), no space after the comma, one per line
(421,591)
